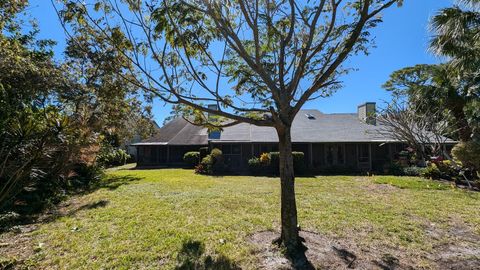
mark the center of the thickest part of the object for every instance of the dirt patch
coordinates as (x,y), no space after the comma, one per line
(343,253)
(377,188)
(461,250)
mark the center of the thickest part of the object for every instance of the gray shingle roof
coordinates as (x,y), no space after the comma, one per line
(339,127)
(178,132)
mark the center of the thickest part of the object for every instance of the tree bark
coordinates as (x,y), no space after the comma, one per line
(289,231)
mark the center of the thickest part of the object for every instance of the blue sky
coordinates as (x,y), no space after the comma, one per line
(401,41)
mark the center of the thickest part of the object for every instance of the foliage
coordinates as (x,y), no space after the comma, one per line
(85,175)
(432,172)
(299,164)
(261,52)
(413,171)
(394,168)
(35,137)
(191,158)
(212,164)
(255,166)
(268,163)
(450,86)
(265,159)
(468,153)
(111,157)
(205,166)
(56,114)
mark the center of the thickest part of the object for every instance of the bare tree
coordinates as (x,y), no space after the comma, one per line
(422,127)
(259,61)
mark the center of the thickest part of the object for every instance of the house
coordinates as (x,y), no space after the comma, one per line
(349,140)
(137,137)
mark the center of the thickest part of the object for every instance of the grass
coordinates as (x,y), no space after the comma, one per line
(150,219)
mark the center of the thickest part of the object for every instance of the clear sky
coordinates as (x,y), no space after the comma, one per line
(401,41)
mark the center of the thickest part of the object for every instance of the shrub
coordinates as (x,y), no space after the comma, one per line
(211,164)
(191,158)
(216,153)
(413,171)
(85,175)
(113,157)
(265,158)
(395,168)
(218,165)
(299,162)
(205,166)
(255,165)
(468,153)
(432,171)
(447,169)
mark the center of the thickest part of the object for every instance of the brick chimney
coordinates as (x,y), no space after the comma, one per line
(367,113)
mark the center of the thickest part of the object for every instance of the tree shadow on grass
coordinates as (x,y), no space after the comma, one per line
(388,262)
(15,217)
(348,257)
(114,182)
(192,257)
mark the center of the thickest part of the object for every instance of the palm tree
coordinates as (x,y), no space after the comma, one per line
(457,34)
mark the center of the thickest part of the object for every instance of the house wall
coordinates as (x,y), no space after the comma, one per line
(318,156)
(163,155)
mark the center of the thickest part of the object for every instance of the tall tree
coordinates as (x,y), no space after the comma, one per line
(33,143)
(453,85)
(436,86)
(102,101)
(258,61)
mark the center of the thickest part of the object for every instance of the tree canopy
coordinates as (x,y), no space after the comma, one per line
(454,84)
(259,62)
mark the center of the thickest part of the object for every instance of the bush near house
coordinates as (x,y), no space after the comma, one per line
(268,163)
(468,154)
(113,157)
(212,164)
(413,171)
(191,158)
(255,166)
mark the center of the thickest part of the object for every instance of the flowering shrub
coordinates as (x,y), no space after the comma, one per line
(211,164)
(265,159)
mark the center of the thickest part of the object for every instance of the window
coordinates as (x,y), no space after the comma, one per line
(214,135)
(310,116)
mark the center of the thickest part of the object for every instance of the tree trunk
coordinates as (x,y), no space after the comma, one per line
(289,234)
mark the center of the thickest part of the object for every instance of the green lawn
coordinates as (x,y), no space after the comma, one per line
(147,218)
